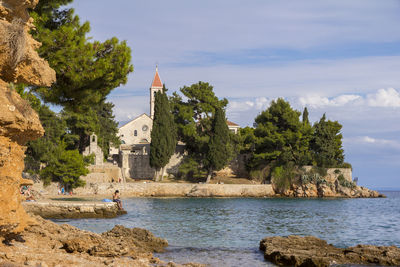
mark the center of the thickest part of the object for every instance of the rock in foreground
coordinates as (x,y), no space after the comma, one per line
(50,244)
(311,251)
(19,63)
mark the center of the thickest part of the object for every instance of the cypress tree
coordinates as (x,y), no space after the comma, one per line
(218,151)
(163,135)
(305,116)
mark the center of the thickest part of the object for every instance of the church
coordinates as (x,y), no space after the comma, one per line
(133,154)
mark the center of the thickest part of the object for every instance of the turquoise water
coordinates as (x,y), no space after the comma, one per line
(227,232)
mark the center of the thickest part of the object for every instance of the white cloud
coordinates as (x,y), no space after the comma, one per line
(262,103)
(381,98)
(372,141)
(384,98)
(368,139)
(318,101)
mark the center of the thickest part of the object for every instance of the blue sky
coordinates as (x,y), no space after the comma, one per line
(337,57)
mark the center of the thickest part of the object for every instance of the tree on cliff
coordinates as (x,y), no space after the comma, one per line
(218,153)
(163,135)
(327,143)
(193,119)
(280,137)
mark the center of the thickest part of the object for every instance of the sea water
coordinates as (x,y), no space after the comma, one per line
(227,231)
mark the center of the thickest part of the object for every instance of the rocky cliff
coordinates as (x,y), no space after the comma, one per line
(314,182)
(19,63)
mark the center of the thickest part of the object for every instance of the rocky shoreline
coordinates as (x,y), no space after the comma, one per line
(312,251)
(50,244)
(73,210)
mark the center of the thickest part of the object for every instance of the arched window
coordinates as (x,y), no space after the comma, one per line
(94,139)
(135,133)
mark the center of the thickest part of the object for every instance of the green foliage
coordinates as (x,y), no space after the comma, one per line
(343,182)
(194,118)
(261,175)
(327,143)
(313,177)
(86,71)
(305,119)
(283,176)
(107,127)
(80,126)
(247,140)
(219,152)
(190,168)
(66,167)
(41,151)
(280,136)
(322,171)
(163,134)
(346,165)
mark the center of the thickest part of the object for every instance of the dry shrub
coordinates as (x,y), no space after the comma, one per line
(16,40)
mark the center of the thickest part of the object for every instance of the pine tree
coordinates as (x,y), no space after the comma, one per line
(327,143)
(66,167)
(278,135)
(218,149)
(163,135)
(87,71)
(193,119)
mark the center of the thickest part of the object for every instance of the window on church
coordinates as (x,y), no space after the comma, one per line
(135,133)
(93,139)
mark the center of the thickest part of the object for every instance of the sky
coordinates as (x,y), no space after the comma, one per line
(336,57)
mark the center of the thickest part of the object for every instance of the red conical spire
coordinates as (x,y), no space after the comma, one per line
(157,81)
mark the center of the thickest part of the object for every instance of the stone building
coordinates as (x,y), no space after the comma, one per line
(94,149)
(133,154)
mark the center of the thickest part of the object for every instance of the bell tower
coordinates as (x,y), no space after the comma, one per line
(155,87)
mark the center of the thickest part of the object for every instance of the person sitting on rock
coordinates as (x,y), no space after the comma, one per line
(116,198)
(29,195)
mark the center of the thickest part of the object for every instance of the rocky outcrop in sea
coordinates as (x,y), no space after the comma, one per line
(312,251)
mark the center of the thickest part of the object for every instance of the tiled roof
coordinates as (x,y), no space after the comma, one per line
(157,81)
(229,123)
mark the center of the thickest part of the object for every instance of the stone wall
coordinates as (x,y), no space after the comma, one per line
(139,167)
(150,189)
(333,174)
(103,174)
(136,164)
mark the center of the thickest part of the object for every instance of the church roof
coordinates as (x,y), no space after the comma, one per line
(157,81)
(229,123)
(138,117)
